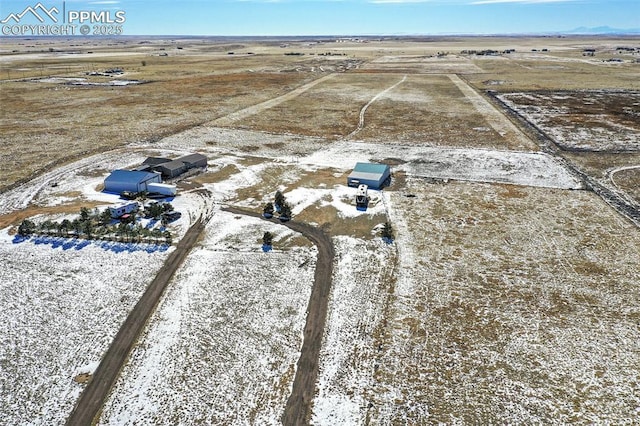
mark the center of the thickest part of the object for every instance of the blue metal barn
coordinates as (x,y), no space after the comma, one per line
(375,176)
(130,180)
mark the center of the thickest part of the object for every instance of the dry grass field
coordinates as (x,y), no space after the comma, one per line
(44,123)
(509,295)
(512,305)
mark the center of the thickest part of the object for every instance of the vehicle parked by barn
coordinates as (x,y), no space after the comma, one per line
(362,199)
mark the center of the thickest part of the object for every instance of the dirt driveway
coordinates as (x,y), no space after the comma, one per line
(298,408)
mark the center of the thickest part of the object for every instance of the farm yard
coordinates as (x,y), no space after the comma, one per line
(508,293)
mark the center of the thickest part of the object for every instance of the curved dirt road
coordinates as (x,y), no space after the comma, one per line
(89,405)
(360,125)
(298,408)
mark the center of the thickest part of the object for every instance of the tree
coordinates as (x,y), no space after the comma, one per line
(267,238)
(268,210)
(105,217)
(387,232)
(167,237)
(87,229)
(76,225)
(85,214)
(63,227)
(279,200)
(285,211)
(155,210)
(143,197)
(135,232)
(48,225)
(123,231)
(27,227)
(129,218)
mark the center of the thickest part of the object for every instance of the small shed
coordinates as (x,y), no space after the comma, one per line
(129,180)
(375,176)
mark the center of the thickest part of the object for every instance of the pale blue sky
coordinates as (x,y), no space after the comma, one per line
(353,17)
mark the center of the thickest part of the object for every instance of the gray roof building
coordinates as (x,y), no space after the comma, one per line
(194,160)
(171,169)
(154,161)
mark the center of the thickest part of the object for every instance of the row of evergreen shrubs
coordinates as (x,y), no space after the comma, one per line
(97,225)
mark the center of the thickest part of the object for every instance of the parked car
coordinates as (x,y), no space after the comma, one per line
(171,216)
(129,195)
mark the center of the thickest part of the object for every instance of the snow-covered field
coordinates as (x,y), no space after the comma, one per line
(223,344)
(478,165)
(62,303)
(362,285)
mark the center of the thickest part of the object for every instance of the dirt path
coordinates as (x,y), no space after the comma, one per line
(89,405)
(254,109)
(364,108)
(494,117)
(298,408)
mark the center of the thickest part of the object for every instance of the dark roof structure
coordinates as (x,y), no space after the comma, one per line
(154,161)
(194,160)
(171,168)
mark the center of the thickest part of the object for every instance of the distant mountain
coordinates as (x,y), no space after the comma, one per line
(602,30)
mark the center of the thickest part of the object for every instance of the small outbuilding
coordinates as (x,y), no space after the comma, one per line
(375,176)
(129,180)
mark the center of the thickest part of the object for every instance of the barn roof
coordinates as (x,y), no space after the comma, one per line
(154,161)
(371,174)
(130,176)
(192,158)
(370,168)
(172,165)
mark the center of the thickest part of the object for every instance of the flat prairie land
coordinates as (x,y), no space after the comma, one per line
(433,110)
(508,294)
(43,122)
(519,304)
(330,109)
